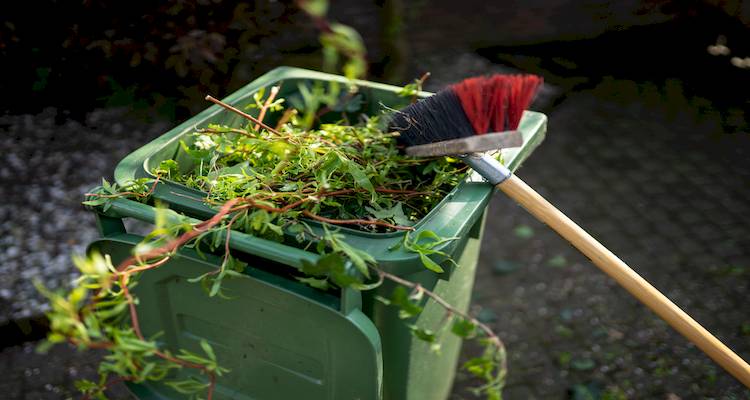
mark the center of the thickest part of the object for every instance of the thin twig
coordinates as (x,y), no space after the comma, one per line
(420,82)
(145,267)
(232,130)
(355,222)
(92,345)
(184,238)
(242,113)
(269,100)
(285,117)
(131,305)
(226,241)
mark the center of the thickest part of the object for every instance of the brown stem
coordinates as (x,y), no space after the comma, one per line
(242,113)
(269,100)
(145,267)
(184,238)
(92,345)
(131,305)
(420,82)
(211,385)
(355,222)
(233,130)
(285,117)
(226,241)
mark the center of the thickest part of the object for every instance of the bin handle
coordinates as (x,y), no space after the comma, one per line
(110,223)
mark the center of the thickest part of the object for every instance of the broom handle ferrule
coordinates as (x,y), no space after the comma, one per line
(487,166)
(545,212)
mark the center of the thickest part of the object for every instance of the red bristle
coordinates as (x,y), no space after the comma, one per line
(521,94)
(496,103)
(473,93)
(498,99)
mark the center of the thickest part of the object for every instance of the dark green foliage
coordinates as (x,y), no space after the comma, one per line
(153,55)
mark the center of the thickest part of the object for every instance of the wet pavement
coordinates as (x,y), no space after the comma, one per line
(643,168)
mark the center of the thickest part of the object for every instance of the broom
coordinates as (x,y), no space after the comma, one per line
(480,105)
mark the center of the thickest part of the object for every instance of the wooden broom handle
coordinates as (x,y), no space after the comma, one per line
(535,204)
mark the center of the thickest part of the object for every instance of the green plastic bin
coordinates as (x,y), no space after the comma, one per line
(410,369)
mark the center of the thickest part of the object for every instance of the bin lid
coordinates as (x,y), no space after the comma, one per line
(279,342)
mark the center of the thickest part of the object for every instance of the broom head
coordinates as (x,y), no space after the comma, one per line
(474,106)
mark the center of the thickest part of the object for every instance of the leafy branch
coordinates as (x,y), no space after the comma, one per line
(92,315)
(491,366)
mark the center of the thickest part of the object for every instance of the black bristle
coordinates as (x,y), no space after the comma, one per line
(434,119)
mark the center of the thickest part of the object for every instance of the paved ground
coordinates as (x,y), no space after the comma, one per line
(44,171)
(664,189)
(653,177)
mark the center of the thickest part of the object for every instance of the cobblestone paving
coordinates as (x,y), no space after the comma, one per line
(666,192)
(29,375)
(43,176)
(661,186)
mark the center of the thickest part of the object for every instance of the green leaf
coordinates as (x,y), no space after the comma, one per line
(96,201)
(395,213)
(423,334)
(85,385)
(481,367)
(407,307)
(325,265)
(188,386)
(429,264)
(463,327)
(330,165)
(216,284)
(360,178)
(168,168)
(316,283)
(208,350)
(135,344)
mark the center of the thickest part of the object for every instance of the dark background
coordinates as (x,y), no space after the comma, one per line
(647,148)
